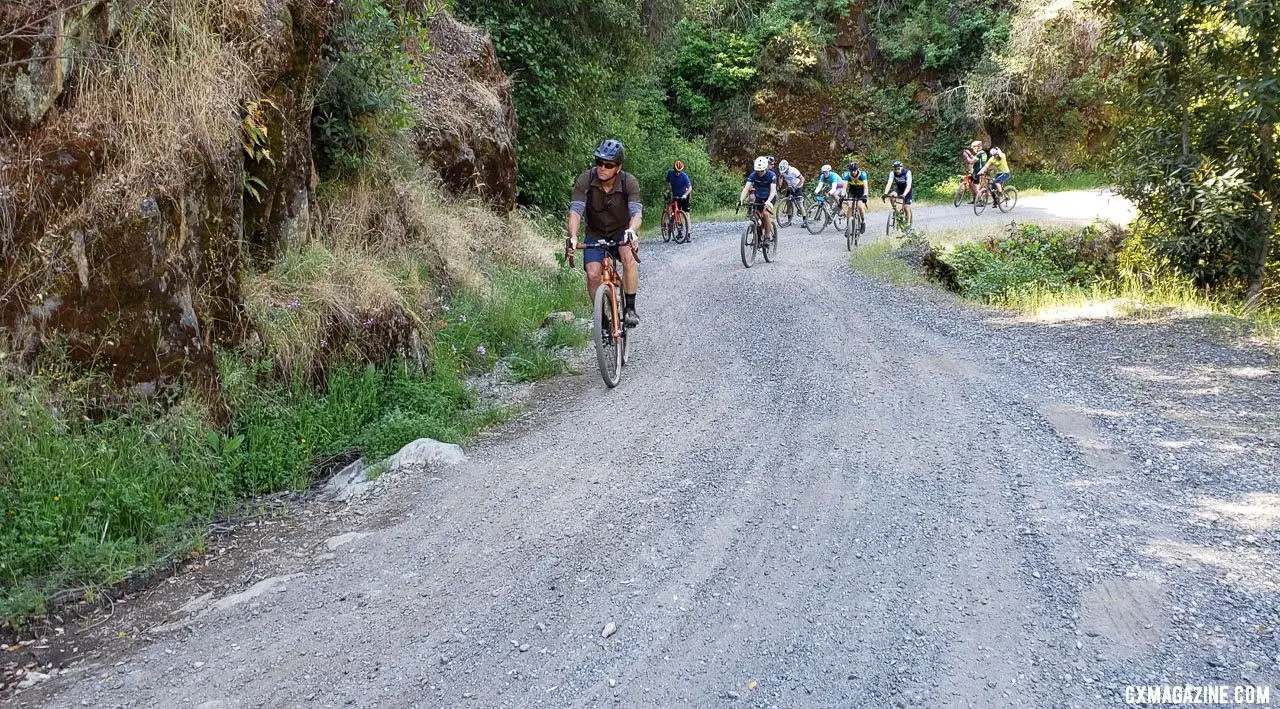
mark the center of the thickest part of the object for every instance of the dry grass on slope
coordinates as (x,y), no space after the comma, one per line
(166,92)
(388,249)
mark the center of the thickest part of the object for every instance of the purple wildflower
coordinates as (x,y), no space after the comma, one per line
(480,350)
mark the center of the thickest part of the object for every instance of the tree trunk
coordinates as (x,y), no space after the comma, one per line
(1264,212)
(1186,135)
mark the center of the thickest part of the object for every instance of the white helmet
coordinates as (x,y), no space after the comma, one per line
(784,165)
(997,151)
(826,168)
(762,164)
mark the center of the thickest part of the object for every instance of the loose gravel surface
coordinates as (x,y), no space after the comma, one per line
(1077,207)
(809,490)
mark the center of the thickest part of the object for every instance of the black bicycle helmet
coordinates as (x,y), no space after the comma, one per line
(853,167)
(610,150)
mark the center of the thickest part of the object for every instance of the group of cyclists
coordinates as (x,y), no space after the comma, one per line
(607,198)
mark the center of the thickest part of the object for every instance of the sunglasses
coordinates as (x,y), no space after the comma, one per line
(606,164)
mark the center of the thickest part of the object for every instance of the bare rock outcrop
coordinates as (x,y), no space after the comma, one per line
(467,126)
(124,213)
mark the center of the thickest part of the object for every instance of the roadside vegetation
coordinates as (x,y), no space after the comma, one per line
(364,335)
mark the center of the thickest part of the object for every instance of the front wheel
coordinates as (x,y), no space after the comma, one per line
(980,203)
(770,246)
(609,349)
(888,226)
(849,230)
(749,246)
(683,226)
(1010,199)
(960,193)
(839,219)
(816,218)
(666,226)
(787,212)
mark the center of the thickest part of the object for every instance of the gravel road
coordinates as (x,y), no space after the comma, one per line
(809,490)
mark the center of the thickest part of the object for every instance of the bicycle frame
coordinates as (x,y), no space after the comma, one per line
(672,210)
(899,211)
(611,276)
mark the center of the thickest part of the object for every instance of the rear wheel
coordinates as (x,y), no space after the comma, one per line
(608,348)
(749,246)
(816,218)
(1010,199)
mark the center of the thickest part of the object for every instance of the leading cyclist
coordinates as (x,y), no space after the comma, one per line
(763,184)
(609,199)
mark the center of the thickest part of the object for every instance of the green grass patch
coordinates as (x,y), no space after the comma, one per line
(89,499)
(878,261)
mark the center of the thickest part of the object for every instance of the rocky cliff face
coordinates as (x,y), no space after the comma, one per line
(468,126)
(133,196)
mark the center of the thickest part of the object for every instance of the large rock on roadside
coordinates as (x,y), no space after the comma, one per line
(427,453)
(467,126)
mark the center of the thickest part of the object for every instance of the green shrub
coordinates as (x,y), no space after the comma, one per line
(1033,257)
(364,97)
(88,499)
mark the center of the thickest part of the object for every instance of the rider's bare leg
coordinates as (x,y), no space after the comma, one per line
(630,271)
(594,271)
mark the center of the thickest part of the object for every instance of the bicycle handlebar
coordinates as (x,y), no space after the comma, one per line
(602,244)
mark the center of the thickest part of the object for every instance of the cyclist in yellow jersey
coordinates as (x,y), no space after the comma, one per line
(998,165)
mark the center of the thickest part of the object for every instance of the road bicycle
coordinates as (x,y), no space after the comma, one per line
(794,206)
(754,238)
(966,188)
(821,213)
(897,216)
(607,327)
(854,226)
(1003,200)
(675,222)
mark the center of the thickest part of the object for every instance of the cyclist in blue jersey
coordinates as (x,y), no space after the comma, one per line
(680,185)
(762,185)
(900,184)
(828,181)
